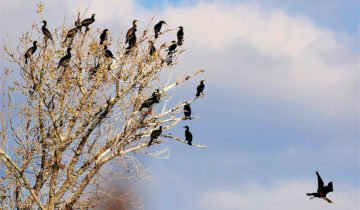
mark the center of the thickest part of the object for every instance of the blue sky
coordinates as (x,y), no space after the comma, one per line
(281,103)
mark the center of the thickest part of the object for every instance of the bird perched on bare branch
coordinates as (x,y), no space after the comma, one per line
(180,36)
(154,135)
(188,135)
(200,88)
(103,36)
(46,32)
(131,31)
(322,190)
(30,51)
(72,32)
(187,111)
(149,102)
(88,22)
(64,61)
(157,28)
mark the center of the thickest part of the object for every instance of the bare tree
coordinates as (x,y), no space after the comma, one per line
(80,117)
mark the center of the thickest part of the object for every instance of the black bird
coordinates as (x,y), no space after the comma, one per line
(93,71)
(180,36)
(108,53)
(322,190)
(152,49)
(172,48)
(64,61)
(88,21)
(131,32)
(157,28)
(46,32)
(29,52)
(187,111)
(103,36)
(200,88)
(72,32)
(132,42)
(150,101)
(188,135)
(154,135)
(157,96)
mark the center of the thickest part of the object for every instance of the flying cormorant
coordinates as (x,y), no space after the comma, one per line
(180,36)
(88,21)
(46,32)
(187,111)
(154,135)
(322,190)
(188,135)
(64,61)
(200,88)
(30,51)
(103,36)
(131,32)
(72,32)
(157,28)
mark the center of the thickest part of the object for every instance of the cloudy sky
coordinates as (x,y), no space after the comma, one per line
(282,98)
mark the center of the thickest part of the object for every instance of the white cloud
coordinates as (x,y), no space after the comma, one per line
(282,196)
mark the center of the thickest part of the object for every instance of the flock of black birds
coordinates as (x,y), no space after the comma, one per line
(131,39)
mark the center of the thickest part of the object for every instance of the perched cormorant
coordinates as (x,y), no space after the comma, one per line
(72,32)
(132,42)
(88,21)
(150,101)
(46,32)
(187,111)
(108,53)
(157,28)
(103,36)
(172,48)
(180,36)
(200,88)
(131,32)
(154,135)
(188,135)
(30,51)
(93,70)
(152,49)
(157,96)
(322,190)
(64,61)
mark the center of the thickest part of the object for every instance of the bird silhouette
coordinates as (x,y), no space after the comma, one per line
(322,190)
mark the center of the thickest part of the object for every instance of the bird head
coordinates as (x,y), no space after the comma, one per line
(135,21)
(105,47)
(34,43)
(93,15)
(68,49)
(180,28)
(187,127)
(202,81)
(163,22)
(173,42)
(161,127)
(44,21)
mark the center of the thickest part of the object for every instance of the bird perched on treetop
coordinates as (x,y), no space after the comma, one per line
(322,190)
(103,36)
(88,21)
(157,28)
(200,88)
(154,135)
(188,135)
(108,53)
(72,32)
(30,51)
(152,49)
(180,36)
(64,61)
(46,32)
(131,31)
(187,111)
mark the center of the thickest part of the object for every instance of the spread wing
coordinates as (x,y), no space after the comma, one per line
(320,181)
(329,188)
